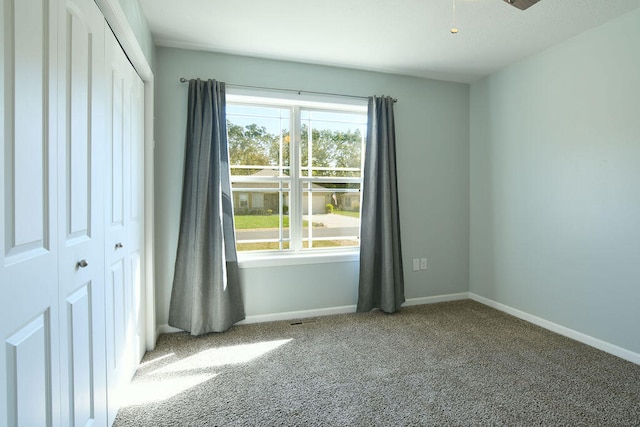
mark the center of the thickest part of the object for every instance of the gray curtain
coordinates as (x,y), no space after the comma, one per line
(206,295)
(381,274)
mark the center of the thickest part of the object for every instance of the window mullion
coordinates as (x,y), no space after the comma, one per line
(295,218)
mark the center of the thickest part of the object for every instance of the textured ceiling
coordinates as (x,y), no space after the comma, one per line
(409,37)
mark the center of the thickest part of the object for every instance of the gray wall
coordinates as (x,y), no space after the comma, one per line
(555,184)
(140,27)
(432,123)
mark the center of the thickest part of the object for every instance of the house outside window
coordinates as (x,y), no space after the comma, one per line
(243,200)
(296,174)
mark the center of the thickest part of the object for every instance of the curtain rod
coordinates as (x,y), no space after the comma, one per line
(183,80)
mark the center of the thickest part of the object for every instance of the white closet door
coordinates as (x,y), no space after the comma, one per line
(136,211)
(82,108)
(123,208)
(29,357)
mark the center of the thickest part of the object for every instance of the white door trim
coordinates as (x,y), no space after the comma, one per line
(119,24)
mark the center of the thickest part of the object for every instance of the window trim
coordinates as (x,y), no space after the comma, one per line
(277,259)
(296,255)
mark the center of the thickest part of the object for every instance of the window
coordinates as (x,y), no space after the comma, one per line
(243,200)
(296,174)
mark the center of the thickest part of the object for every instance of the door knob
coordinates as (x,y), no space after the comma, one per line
(82,263)
(119,245)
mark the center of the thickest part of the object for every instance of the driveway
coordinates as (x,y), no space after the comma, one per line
(334,220)
(334,225)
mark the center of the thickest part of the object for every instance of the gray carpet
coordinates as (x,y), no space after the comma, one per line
(449,364)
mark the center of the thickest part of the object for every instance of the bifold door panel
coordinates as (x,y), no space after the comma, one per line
(70,215)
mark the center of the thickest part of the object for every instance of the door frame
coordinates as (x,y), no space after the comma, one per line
(120,26)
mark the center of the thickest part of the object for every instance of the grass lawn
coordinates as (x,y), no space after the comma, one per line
(249,222)
(265,246)
(260,246)
(352,214)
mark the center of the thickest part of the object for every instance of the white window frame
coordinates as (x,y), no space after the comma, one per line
(296,255)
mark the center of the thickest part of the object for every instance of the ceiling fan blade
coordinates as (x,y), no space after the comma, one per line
(522,4)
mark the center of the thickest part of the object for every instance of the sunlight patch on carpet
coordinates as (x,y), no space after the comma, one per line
(230,355)
(151,390)
(156,360)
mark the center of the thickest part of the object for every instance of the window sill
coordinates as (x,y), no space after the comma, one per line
(275,260)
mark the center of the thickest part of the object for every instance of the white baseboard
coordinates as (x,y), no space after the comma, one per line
(166,329)
(436,299)
(301,314)
(317,312)
(623,353)
(272,317)
(554,327)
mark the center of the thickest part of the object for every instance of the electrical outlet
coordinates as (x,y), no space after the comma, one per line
(416,264)
(423,264)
